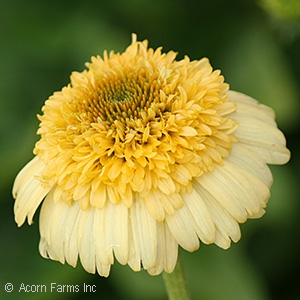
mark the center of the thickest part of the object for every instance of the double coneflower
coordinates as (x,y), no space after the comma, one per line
(141,153)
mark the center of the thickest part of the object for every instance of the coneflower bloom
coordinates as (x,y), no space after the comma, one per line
(142,153)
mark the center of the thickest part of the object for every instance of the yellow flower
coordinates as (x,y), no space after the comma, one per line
(141,153)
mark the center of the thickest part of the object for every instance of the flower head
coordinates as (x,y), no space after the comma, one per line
(141,153)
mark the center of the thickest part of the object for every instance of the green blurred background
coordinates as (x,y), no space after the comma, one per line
(256,46)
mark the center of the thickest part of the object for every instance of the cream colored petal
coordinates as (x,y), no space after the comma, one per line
(47,247)
(117,230)
(68,232)
(121,231)
(225,195)
(154,205)
(46,251)
(205,227)
(238,191)
(98,195)
(59,230)
(222,240)
(275,155)
(134,255)
(58,213)
(251,108)
(32,169)
(28,191)
(257,129)
(258,214)
(103,243)
(227,228)
(266,141)
(102,269)
(251,162)
(171,250)
(144,234)
(183,227)
(86,244)
(253,193)
(27,203)
(71,248)
(167,251)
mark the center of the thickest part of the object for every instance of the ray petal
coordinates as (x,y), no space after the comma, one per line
(28,191)
(183,227)
(205,226)
(144,232)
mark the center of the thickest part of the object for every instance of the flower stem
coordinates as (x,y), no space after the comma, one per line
(175,283)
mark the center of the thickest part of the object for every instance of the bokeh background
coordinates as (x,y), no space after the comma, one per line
(257,47)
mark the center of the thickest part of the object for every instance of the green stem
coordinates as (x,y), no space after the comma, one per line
(175,283)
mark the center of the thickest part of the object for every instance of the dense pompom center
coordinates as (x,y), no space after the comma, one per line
(122,95)
(136,125)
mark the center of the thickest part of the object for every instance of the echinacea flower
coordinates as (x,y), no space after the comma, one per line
(141,153)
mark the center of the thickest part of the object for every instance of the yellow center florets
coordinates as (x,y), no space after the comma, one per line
(135,126)
(124,96)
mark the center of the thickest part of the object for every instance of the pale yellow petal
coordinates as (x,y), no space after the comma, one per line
(98,195)
(238,191)
(51,243)
(144,232)
(251,108)
(167,251)
(257,129)
(117,230)
(70,245)
(31,169)
(154,205)
(134,255)
(28,191)
(266,141)
(250,190)
(251,162)
(182,226)
(103,269)
(226,225)
(204,225)
(86,244)
(230,201)
(103,244)
(257,215)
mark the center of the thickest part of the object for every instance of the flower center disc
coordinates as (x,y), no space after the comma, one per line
(122,96)
(136,126)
